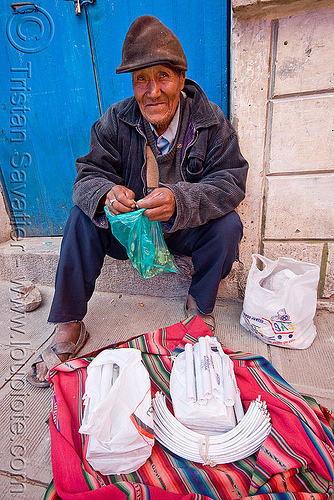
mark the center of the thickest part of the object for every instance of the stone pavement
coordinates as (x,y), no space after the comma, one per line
(24,410)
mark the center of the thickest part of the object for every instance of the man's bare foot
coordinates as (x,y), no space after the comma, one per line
(66,332)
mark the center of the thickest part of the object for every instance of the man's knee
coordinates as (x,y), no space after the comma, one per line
(81,235)
(80,229)
(228,228)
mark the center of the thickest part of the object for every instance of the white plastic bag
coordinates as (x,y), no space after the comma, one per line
(118,412)
(203,388)
(280,302)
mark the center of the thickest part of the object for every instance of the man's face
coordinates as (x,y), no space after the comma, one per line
(157,91)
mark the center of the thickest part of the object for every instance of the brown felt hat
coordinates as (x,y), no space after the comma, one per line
(149,42)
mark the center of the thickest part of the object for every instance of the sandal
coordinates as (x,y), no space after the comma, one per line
(209,319)
(50,356)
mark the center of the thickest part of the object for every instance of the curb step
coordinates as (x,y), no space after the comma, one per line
(36,259)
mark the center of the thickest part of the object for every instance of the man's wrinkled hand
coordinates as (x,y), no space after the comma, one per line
(120,200)
(159,205)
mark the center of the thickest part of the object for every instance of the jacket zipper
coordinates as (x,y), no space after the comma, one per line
(142,168)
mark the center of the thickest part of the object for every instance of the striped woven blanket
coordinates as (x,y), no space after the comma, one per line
(296,461)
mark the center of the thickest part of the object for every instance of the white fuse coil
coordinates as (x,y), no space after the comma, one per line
(242,441)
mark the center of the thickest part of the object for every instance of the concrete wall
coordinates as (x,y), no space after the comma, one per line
(282,107)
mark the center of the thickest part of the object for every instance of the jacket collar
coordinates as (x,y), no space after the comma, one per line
(203,114)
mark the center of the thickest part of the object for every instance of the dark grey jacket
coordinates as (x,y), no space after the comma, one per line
(212,167)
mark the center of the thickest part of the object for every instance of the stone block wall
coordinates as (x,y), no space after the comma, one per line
(282,89)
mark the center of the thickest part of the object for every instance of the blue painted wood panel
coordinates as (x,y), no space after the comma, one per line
(48,98)
(202,26)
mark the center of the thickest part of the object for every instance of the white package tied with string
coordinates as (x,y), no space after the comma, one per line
(240,442)
(280,302)
(118,412)
(203,388)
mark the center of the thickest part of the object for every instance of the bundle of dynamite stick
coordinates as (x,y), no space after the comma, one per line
(209,425)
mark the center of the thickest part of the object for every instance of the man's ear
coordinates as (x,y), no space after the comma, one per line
(183,77)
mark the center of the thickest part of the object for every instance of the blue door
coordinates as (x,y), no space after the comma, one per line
(57,77)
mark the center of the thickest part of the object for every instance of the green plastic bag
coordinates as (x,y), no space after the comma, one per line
(143,241)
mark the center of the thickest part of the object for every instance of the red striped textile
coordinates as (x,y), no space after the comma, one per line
(296,461)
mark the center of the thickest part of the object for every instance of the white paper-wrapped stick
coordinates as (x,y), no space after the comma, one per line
(215,373)
(190,374)
(238,408)
(106,379)
(198,376)
(205,367)
(229,389)
(216,370)
(115,373)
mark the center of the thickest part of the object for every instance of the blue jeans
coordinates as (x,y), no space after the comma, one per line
(212,246)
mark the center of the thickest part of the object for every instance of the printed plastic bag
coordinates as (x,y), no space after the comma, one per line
(280,302)
(118,416)
(143,241)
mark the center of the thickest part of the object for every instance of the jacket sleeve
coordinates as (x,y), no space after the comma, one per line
(100,169)
(221,186)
